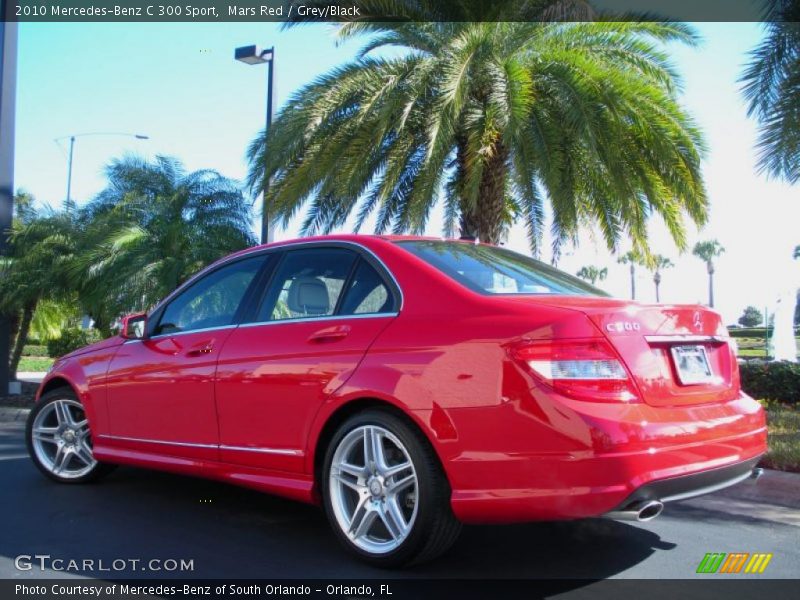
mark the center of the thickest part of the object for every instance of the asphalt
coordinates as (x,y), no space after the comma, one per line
(228,532)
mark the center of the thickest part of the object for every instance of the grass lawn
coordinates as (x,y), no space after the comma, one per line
(754,347)
(784,438)
(34,363)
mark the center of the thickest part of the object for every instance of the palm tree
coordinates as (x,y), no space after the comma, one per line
(632,258)
(796,253)
(657,264)
(707,251)
(592,274)
(772,90)
(42,245)
(503,117)
(150,229)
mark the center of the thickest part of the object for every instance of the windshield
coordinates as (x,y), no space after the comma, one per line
(492,270)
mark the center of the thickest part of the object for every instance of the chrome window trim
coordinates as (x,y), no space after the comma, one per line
(265,250)
(188,331)
(283,451)
(325,318)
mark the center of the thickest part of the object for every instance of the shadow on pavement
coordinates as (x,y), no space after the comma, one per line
(236,533)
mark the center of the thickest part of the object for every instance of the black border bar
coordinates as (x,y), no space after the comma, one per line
(320,11)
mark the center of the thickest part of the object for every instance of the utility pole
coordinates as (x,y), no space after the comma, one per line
(8,80)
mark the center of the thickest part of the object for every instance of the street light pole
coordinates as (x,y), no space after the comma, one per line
(253,55)
(8,77)
(68,201)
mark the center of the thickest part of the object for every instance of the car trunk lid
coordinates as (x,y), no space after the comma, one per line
(677,354)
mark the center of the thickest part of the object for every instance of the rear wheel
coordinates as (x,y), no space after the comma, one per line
(384,491)
(59,440)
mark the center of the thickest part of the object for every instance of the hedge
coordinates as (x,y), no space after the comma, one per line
(753,332)
(71,339)
(778,380)
(34,350)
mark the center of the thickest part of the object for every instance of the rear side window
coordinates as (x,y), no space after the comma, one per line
(367,293)
(492,270)
(308,283)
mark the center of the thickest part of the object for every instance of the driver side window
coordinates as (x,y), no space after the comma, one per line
(213,300)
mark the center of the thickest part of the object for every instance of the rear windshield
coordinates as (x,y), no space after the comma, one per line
(492,270)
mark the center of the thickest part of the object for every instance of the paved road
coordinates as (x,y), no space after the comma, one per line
(237,533)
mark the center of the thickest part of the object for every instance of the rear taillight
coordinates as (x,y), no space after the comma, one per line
(580,369)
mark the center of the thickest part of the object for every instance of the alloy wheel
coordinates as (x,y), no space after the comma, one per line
(374,489)
(61,439)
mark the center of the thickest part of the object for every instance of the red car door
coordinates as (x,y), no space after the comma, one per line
(161,389)
(321,311)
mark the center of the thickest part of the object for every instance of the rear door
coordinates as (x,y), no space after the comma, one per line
(319,314)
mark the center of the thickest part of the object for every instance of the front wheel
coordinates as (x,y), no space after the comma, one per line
(384,491)
(59,441)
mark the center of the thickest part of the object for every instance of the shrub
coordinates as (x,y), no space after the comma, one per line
(71,339)
(772,380)
(754,332)
(34,350)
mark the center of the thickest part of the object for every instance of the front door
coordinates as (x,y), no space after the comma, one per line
(322,310)
(161,389)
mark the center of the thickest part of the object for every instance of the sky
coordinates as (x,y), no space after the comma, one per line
(179,84)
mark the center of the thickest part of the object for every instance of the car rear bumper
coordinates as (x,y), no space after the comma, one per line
(529,486)
(696,484)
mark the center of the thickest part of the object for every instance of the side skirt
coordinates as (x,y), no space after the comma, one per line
(292,486)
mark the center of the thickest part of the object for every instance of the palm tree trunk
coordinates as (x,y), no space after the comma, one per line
(633,281)
(484,221)
(22,337)
(657,280)
(711,289)
(13,321)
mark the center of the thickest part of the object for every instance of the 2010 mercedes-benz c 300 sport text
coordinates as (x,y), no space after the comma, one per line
(409,385)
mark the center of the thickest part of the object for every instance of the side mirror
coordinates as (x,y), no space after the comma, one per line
(133,326)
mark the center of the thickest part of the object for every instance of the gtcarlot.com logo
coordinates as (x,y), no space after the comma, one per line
(734,562)
(44,562)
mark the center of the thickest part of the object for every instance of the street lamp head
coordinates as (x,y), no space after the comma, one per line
(253,55)
(139,136)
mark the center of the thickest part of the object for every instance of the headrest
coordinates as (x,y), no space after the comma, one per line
(308,296)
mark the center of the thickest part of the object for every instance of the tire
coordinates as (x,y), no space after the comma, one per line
(62,445)
(395,509)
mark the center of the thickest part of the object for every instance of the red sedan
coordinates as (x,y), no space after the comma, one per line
(409,385)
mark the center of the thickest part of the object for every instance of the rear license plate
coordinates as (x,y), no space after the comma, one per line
(691,363)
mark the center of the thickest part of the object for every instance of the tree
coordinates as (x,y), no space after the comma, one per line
(152,227)
(657,264)
(42,245)
(772,90)
(632,258)
(503,117)
(592,274)
(751,317)
(707,251)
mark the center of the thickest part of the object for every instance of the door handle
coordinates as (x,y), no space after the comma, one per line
(330,334)
(207,348)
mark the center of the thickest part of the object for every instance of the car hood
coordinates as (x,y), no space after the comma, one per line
(101,345)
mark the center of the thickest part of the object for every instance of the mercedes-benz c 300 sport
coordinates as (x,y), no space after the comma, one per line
(408,385)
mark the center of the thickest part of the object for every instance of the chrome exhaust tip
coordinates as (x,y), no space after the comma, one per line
(650,511)
(638,511)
